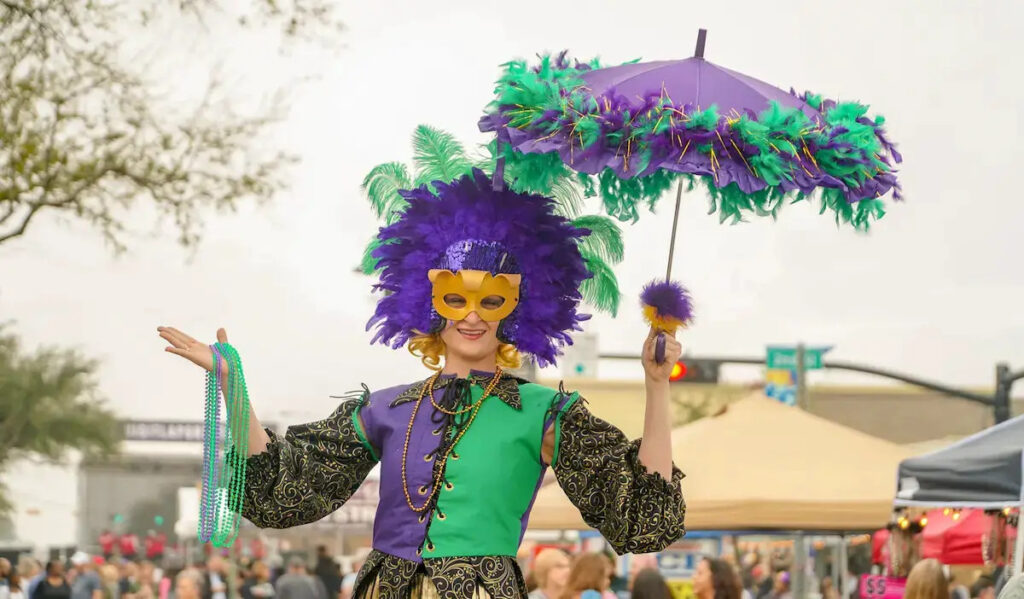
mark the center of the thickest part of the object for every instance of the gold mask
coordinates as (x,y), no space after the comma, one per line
(455,295)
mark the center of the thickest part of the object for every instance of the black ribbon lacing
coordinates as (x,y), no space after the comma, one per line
(456,397)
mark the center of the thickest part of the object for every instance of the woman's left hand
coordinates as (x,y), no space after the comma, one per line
(659,373)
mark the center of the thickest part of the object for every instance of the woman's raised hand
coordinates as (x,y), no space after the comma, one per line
(194,351)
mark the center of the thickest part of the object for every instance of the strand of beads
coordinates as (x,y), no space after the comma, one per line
(231,491)
(224,471)
(207,498)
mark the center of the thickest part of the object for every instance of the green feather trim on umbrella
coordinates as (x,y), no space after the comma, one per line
(784,149)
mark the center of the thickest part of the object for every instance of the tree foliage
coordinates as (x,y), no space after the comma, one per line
(49,405)
(85,134)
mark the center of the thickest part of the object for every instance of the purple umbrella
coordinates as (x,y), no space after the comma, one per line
(634,130)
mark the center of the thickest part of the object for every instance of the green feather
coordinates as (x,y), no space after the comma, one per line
(601,290)
(438,156)
(381,187)
(369,263)
(605,239)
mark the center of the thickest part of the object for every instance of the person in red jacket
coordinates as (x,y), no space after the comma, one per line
(129,543)
(155,545)
(107,542)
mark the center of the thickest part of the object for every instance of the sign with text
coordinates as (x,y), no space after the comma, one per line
(179,431)
(881,587)
(786,357)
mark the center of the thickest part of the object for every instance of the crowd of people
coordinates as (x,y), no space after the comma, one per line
(551,574)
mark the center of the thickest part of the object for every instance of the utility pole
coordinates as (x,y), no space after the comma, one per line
(999,401)
(801,376)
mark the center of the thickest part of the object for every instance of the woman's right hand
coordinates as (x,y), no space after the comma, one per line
(194,351)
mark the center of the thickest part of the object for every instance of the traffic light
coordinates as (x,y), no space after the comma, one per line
(695,371)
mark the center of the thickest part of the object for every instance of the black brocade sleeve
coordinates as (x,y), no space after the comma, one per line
(598,468)
(308,474)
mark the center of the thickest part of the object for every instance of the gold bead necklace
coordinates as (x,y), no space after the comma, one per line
(475,407)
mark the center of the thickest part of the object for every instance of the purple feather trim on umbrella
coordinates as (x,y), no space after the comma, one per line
(670,299)
(467,224)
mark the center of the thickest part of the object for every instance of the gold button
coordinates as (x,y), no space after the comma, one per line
(422,490)
(449,486)
(427,457)
(430,547)
(455,456)
(436,432)
(422,518)
(441,516)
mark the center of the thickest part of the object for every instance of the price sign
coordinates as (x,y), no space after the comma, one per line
(881,587)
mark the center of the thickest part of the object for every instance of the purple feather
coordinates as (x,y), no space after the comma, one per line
(669,298)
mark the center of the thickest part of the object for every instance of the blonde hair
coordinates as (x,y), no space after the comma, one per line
(927,581)
(430,349)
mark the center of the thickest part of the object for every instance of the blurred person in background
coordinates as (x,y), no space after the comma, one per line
(828,590)
(258,585)
(590,572)
(782,588)
(326,569)
(187,586)
(716,579)
(983,588)
(54,585)
(5,577)
(551,573)
(154,544)
(107,541)
(85,581)
(31,573)
(129,545)
(927,580)
(296,583)
(649,584)
(216,583)
(110,580)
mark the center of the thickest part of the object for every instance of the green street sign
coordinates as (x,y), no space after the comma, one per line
(785,357)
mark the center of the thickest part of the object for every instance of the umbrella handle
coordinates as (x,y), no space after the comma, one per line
(659,348)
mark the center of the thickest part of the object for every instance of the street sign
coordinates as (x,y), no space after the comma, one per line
(579,360)
(785,356)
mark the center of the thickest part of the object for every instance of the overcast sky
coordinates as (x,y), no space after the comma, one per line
(936,289)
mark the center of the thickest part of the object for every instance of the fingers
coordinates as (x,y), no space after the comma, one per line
(188,340)
(174,350)
(222,335)
(171,338)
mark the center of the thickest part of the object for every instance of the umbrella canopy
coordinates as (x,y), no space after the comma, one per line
(764,465)
(636,128)
(983,470)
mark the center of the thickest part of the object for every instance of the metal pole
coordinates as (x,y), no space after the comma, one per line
(841,567)
(675,226)
(801,376)
(1001,400)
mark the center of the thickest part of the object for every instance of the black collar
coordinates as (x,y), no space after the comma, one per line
(507,388)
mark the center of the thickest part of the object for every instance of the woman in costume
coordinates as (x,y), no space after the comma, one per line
(471,278)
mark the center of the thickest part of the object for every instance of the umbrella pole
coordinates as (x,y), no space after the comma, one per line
(675,226)
(659,347)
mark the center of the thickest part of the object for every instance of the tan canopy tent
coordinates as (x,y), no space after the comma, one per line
(763,465)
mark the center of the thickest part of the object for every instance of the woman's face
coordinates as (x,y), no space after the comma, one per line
(702,584)
(186,588)
(558,575)
(471,339)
